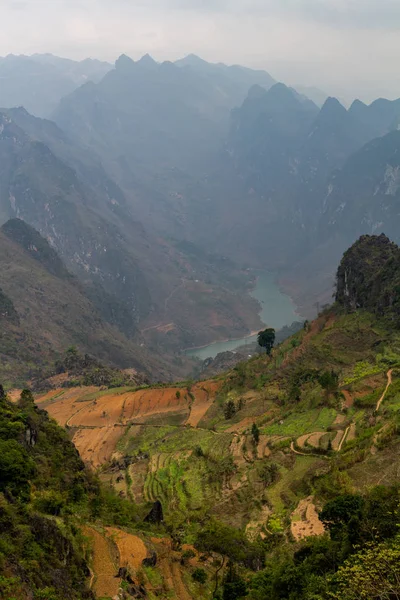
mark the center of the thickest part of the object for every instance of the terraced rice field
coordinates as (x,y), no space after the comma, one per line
(99,418)
(62,404)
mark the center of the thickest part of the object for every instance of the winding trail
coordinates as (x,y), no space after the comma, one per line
(343,439)
(389,383)
(85,405)
(293,449)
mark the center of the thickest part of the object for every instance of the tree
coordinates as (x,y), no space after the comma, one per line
(234,585)
(269,474)
(231,544)
(199,575)
(255,432)
(229,410)
(371,574)
(26,399)
(329,381)
(266,339)
(342,515)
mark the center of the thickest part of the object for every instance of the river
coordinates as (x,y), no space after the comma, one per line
(276,310)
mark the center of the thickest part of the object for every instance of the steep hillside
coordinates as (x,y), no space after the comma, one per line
(362,197)
(44,310)
(44,492)
(281,449)
(359,198)
(131,273)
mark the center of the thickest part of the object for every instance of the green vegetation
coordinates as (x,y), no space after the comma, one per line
(45,493)
(334,566)
(266,339)
(369,277)
(290,436)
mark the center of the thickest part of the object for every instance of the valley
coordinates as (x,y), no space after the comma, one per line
(154,217)
(277,310)
(254,466)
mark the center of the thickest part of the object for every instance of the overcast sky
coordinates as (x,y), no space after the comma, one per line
(346,47)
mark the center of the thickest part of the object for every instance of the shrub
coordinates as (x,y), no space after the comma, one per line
(199,575)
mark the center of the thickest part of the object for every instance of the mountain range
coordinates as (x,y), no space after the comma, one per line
(138,207)
(164,187)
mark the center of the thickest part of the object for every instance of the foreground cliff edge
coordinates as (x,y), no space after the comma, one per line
(278,479)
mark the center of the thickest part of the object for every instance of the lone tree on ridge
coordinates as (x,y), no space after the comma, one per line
(266,339)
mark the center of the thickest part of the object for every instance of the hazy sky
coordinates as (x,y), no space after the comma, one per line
(346,47)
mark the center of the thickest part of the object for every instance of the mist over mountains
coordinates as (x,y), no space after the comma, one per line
(163,186)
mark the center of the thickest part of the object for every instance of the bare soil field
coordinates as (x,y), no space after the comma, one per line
(203,401)
(305,520)
(96,446)
(314,439)
(105,584)
(168,562)
(131,548)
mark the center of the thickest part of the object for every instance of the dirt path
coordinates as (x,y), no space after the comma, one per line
(337,439)
(152,327)
(84,407)
(182,284)
(343,439)
(389,382)
(348,399)
(105,584)
(293,449)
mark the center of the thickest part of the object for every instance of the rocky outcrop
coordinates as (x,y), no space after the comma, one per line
(369,276)
(156,514)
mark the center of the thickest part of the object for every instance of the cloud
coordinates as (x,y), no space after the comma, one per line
(344,13)
(348,47)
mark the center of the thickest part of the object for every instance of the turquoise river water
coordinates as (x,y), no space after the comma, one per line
(277,310)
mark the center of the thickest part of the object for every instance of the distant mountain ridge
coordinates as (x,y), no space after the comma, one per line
(155,175)
(38,82)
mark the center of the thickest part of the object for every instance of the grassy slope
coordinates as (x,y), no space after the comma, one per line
(215,468)
(54,313)
(359,348)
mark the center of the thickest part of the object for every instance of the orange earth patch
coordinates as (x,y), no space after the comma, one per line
(131,548)
(104,583)
(305,520)
(63,405)
(96,446)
